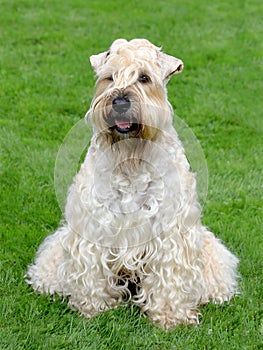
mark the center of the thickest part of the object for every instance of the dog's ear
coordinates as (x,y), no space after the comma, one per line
(170,65)
(97,61)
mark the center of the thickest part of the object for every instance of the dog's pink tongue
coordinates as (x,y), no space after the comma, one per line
(122,124)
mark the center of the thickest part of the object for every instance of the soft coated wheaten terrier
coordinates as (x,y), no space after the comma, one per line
(132,231)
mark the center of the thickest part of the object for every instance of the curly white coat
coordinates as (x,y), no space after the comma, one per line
(132,213)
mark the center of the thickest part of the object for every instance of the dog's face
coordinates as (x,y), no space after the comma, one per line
(131,99)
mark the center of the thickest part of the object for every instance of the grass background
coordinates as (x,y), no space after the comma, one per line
(46,87)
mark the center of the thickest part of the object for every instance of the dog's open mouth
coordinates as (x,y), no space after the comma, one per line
(124,125)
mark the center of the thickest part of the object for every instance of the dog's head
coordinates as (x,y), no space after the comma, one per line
(131,99)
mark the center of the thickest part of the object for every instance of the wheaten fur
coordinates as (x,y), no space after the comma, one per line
(132,215)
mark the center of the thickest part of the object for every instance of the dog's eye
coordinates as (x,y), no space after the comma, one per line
(143,78)
(110,78)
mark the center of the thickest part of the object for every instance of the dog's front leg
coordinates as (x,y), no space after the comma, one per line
(169,305)
(173,286)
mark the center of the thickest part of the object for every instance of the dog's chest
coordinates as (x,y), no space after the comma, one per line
(125,202)
(138,190)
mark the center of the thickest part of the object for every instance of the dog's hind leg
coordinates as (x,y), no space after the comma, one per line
(42,274)
(219,270)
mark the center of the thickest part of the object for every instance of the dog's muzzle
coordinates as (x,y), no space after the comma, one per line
(122,119)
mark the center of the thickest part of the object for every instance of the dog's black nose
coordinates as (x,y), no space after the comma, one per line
(121,104)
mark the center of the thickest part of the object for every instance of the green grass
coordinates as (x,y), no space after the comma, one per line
(46,87)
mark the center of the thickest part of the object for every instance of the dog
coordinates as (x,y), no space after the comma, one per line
(132,230)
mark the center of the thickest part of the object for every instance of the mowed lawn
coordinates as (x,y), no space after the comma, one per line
(46,88)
